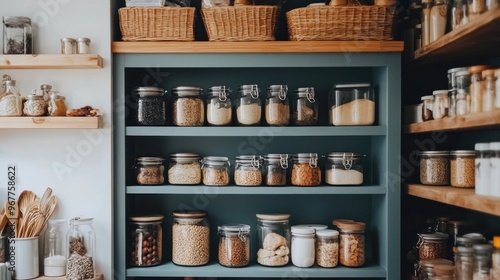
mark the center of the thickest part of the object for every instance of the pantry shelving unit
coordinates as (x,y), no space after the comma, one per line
(51,61)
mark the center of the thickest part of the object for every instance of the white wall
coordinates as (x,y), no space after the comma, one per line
(77,164)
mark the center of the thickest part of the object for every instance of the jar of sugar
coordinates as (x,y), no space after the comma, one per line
(344,168)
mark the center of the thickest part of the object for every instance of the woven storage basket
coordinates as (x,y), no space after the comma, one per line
(349,23)
(157,23)
(240,23)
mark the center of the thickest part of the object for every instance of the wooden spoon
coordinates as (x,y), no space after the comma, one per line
(46,195)
(25,198)
(31,210)
(11,210)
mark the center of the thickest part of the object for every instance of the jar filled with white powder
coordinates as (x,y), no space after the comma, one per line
(248,105)
(344,168)
(219,111)
(277,105)
(352,104)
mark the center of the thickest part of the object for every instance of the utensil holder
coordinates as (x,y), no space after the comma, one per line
(26,258)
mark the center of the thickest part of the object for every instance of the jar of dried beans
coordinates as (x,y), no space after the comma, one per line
(435,168)
(327,248)
(273,231)
(234,245)
(432,245)
(188,109)
(150,106)
(305,170)
(352,104)
(463,169)
(352,244)
(34,106)
(215,171)
(274,169)
(81,249)
(304,107)
(344,169)
(277,105)
(248,105)
(184,169)
(219,110)
(190,238)
(247,171)
(150,170)
(145,240)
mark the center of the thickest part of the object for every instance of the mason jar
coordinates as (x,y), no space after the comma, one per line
(344,169)
(273,231)
(248,105)
(17,35)
(304,107)
(441,104)
(145,240)
(234,245)
(274,169)
(435,168)
(219,110)
(277,109)
(463,169)
(352,244)
(305,170)
(80,241)
(215,171)
(482,261)
(489,90)
(188,109)
(303,246)
(150,106)
(184,169)
(190,238)
(149,170)
(483,163)
(327,248)
(11,103)
(34,106)
(432,245)
(247,171)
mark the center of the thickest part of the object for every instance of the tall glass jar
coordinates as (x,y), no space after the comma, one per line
(327,248)
(17,35)
(274,169)
(304,107)
(277,109)
(482,261)
(184,169)
(188,109)
(150,106)
(149,170)
(439,16)
(462,169)
(432,245)
(427,107)
(495,169)
(489,93)
(303,246)
(11,104)
(145,240)
(247,171)
(215,171)
(459,14)
(34,106)
(57,105)
(248,105)
(190,238)
(219,110)
(352,244)
(464,262)
(80,241)
(273,231)
(234,245)
(305,170)
(482,168)
(426,21)
(344,169)
(54,249)
(476,87)
(441,104)
(435,168)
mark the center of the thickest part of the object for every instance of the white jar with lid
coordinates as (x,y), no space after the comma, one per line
(482,168)
(441,104)
(303,247)
(495,169)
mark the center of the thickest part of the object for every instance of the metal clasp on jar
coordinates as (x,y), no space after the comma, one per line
(313,160)
(284,161)
(254,91)
(347,161)
(310,94)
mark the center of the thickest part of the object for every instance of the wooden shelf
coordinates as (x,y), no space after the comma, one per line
(258,47)
(467,122)
(465,198)
(99,277)
(51,122)
(476,40)
(51,61)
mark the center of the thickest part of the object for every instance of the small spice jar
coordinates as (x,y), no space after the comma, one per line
(57,105)
(304,107)
(464,262)
(150,106)
(215,171)
(274,169)
(352,104)
(482,164)
(344,169)
(17,35)
(145,240)
(190,238)
(489,90)
(34,106)
(234,245)
(219,110)
(68,46)
(273,231)
(435,168)
(476,88)
(352,244)
(305,170)
(248,105)
(83,45)
(441,104)
(247,171)
(432,245)
(149,170)
(277,109)
(495,169)
(327,248)
(427,107)
(303,246)
(184,169)
(188,109)
(462,169)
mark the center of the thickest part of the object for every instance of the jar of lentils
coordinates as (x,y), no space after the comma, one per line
(273,231)
(188,109)
(34,106)
(277,105)
(327,248)
(352,244)
(304,107)
(184,169)
(219,110)
(435,168)
(190,238)
(274,169)
(234,245)
(432,245)
(463,169)
(305,170)
(145,240)
(215,171)
(248,105)
(149,170)
(247,171)
(150,106)
(344,169)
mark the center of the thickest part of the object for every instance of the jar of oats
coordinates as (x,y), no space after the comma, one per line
(435,168)
(432,245)
(215,171)
(274,169)
(247,171)
(149,170)
(327,248)
(188,109)
(190,238)
(219,110)
(352,244)
(463,169)
(184,169)
(234,245)
(305,170)
(277,105)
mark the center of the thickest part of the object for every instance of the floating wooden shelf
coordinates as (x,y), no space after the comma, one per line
(51,122)
(467,122)
(465,198)
(99,277)
(51,61)
(258,47)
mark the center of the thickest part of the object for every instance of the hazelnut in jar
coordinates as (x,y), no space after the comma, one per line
(149,170)
(145,240)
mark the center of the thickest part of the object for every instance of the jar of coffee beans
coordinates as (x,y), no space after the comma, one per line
(150,106)
(234,245)
(190,238)
(305,170)
(432,245)
(274,169)
(435,168)
(145,240)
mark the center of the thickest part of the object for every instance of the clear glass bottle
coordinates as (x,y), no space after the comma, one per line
(188,109)
(150,106)
(427,107)
(273,231)
(352,104)
(304,107)
(463,105)
(80,241)
(215,171)
(482,168)
(344,169)
(248,105)
(476,88)
(190,238)
(57,105)
(482,261)
(459,14)
(327,248)
(234,245)
(54,260)
(274,169)
(247,171)
(426,21)
(219,110)
(277,111)
(464,263)
(34,106)
(145,240)
(303,246)
(11,104)
(439,16)
(352,244)
(305,170)
(150,170)
(184,169)
(489,93)
(435,168)
(17,35)
(495,169)
(432,245)
(441,104)
(463,169)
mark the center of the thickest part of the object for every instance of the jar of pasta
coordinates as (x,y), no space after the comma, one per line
(188,109)
(352,244)
(184,169)
(277,109)
(305,170)
(327,248)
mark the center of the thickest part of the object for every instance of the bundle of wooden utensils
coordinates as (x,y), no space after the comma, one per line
(29,213)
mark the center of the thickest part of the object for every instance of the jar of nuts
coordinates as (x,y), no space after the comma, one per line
(277,105)
(273,232)
(145,240)
(305,170)
(149,170)
(184,169)
(234,245)
(190,238)
(247,171)
(432,245)
(215,171)
(327,248)
(344,169)
(435,168)
(274,169)
(463,169)
(352,244)
(188,109)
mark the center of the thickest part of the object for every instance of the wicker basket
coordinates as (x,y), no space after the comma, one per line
(157,23)
(349,23)
(240,23)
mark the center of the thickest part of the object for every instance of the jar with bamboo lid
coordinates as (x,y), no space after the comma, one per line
(352,244)
(476,88)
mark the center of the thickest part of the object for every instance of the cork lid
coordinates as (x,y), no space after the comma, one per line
(477,68)
(336,222)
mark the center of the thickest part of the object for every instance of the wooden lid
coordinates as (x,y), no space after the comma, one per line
(351,226)
(336,222)
(488,72)
(273,217)
(146,218)
(477,68)
(189,214)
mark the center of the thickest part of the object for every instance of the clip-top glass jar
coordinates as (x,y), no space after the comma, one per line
(304,107)
(188,109)
(344,169)
(482,164)
(441,104)
(248,105)
(432,245)
(34,105)
(274,169)
(426,267)
(149,170)
(352,244)
(150,106)
(80,241)
(145,240)
(11,103)
(277,105)
(190,238)
(273,231)
(57,105)
(215,171)
(54,260)
(482,261)
(234,245)
(352,104)
(247,171)
(435,168)
(327,248)
(305,170)
(17,35)
(219,110)
(184,169)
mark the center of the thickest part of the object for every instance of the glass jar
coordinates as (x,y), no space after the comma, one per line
(434,168)
(17,35)
(444,272)
(495,169)
(482,261)
(145,240)
(273,231)
(83,45)
(426,267)
(215,171)
(190,238)
(344,169)
(247,171)
(452,97)
(427,107)
(489,90)
(352,104)
(234,245)
(432,245)
(452,74)
(34,106)
(57,105)
(54,250)
(277,110)
(441,104)
(46,90)
(11,104)
(149,170)
(441,224)
(439,16)
(476,88)
(463,105)
(150,106)
(248,105)
(495,257)
(184,169)
(305,170)
(219,110)
(476,8)
(482,164)
(68,46)
(80,241)
(327,248)
(473,238)
(304,107)
(497,89)
(459,14)
(426,21)
(464,262)
(274,169)
(303,247)
(458,228)
(352,244)
(462,169)
(462,80)
(188,109)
